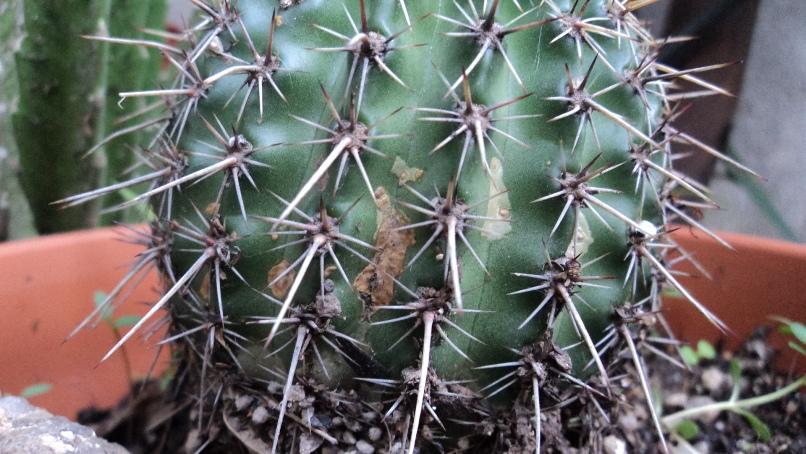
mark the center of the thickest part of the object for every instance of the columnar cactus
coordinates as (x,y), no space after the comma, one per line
(63,101)
(407,225)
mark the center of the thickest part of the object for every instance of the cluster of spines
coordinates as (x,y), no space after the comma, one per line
(232,155)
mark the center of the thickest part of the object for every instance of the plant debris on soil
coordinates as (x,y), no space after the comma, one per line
(153,420)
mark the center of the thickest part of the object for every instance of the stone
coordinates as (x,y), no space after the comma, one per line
(713,379)
(364,448)
(25,429)
(675,399)
(375,433)
(309,443)
(701,401)
(260,415)
(614,445)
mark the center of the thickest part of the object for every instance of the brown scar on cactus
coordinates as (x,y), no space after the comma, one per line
(374,283)
(279,287)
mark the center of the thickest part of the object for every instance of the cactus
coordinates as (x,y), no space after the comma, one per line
(63,107)
(444,219)
(9,25)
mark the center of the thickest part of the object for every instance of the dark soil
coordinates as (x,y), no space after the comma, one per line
(150,422)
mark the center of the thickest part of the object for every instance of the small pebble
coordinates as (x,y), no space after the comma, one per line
(375,433)
(354,426)
(699,401)
(628,422)
(703,447)
(242,402)
(614,445)
(364,448)
(260,416)
(309,443)
(791,407)
(348,438)
(296,394)
(713,379)
(675,400)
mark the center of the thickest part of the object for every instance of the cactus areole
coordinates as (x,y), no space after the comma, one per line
(413,226)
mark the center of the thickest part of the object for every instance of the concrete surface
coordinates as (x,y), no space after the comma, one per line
(25,429)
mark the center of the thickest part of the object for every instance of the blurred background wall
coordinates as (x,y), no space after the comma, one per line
(764,126)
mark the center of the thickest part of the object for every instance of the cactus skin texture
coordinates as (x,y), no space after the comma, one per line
(412,267)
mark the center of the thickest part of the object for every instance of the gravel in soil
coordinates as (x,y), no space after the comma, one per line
(149,422)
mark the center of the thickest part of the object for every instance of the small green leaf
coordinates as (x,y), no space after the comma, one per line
(166,379)
(735,370)
(736,378)
(797,348)
(689,355)
(705,350)
(687,429)
(36,390)
(799,330)
(125,321)
(791,328)
(761,429)
(98,299)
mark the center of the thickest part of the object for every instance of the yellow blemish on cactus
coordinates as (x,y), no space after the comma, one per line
(280,288)
(499,206)
(583,238)
(404,173)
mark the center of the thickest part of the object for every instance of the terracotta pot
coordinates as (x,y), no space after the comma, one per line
(47,286)
(761,278)
(46,289)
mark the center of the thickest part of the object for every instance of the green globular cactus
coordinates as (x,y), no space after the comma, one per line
(402,226)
